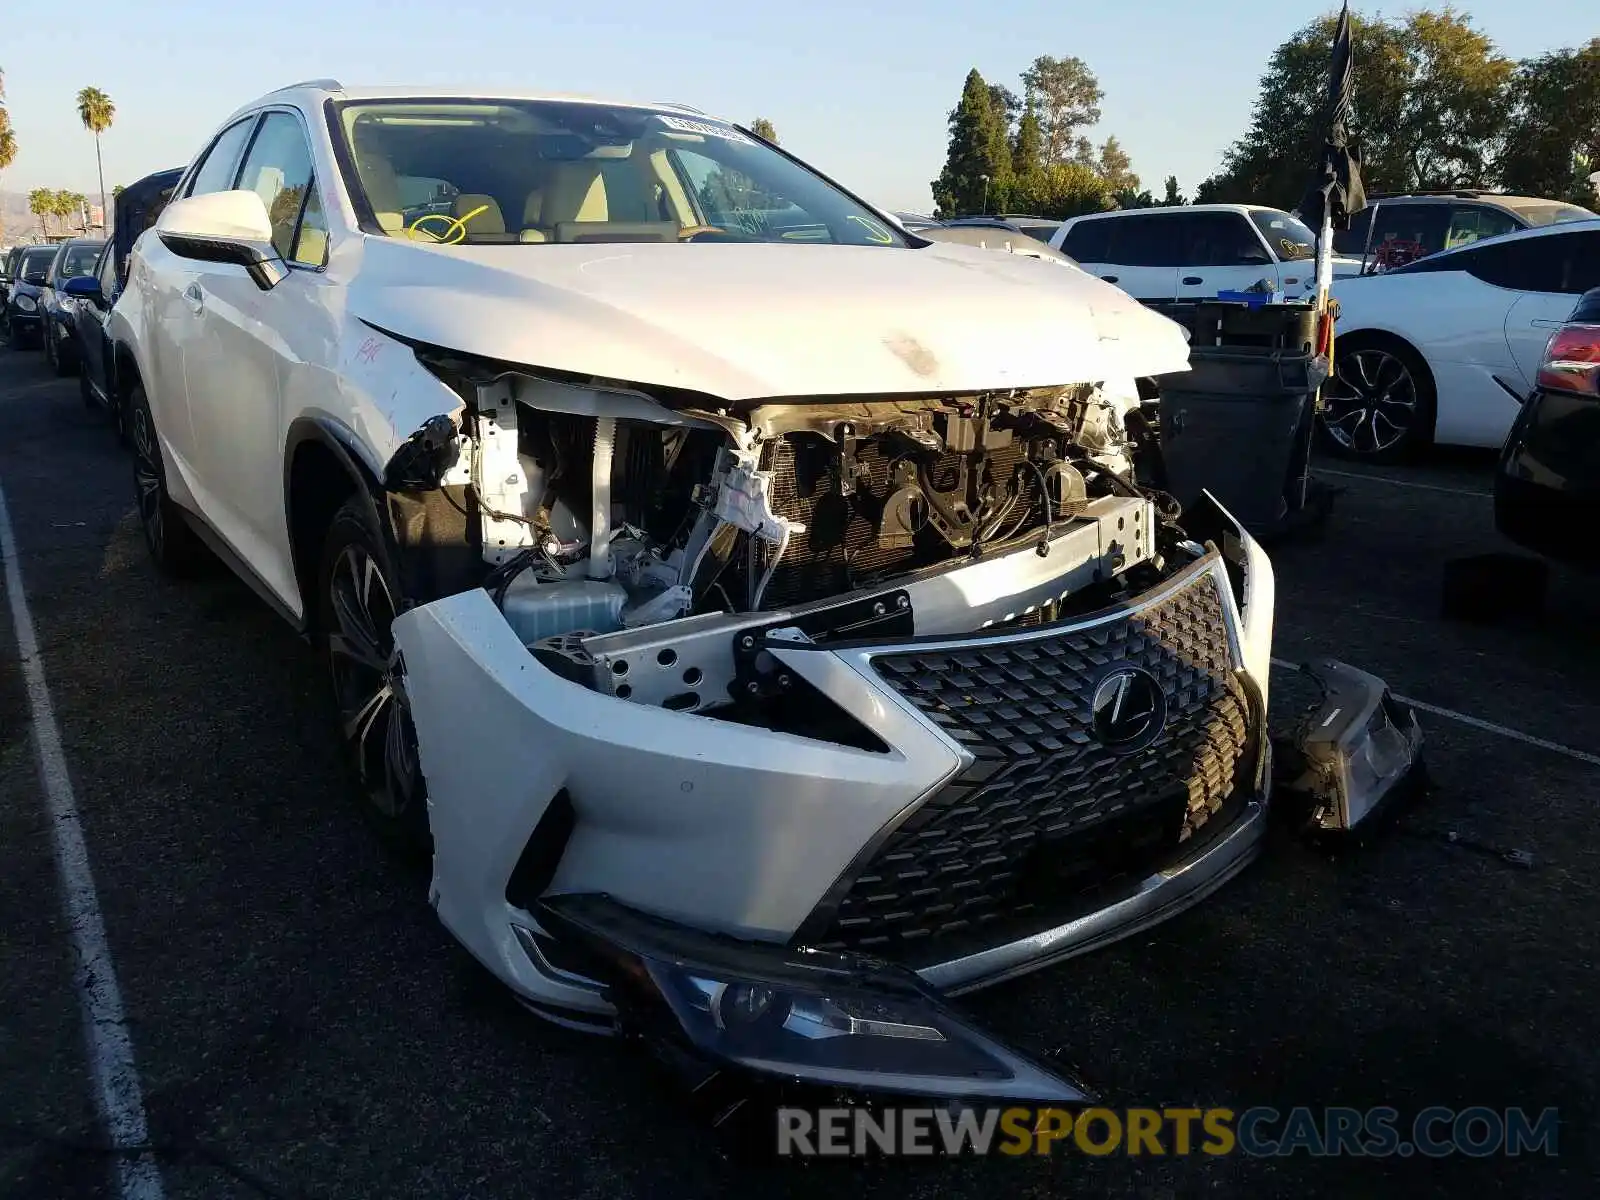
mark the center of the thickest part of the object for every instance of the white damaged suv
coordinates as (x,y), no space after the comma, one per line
(751,603)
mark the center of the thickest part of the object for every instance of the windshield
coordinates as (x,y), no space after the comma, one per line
(36,262)
(1290,238)
(1551,214)
(78,260)
(539,171)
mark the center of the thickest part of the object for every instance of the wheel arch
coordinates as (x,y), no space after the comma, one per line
(322,469)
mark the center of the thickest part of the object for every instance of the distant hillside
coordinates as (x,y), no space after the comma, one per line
(18,221)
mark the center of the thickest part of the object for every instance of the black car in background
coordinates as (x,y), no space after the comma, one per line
(74,259)
(1547,486)
(23,314)
(93,296)
(7,266)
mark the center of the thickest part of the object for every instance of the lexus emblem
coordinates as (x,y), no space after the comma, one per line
(1130,710)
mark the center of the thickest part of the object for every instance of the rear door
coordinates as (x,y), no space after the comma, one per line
(1142,254)
(1551,271)
(1222,252)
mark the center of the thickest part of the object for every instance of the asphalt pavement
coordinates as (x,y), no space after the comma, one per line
(303,1026)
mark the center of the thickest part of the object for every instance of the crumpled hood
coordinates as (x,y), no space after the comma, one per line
(750,320)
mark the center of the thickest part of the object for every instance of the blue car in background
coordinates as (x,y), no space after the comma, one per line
(23,317)
(94,295)
(74,259)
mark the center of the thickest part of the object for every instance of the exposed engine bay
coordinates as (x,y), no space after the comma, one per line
(624,540)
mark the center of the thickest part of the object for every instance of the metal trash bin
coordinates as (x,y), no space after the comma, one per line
(1237,424)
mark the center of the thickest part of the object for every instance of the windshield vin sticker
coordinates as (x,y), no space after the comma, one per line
(705,129)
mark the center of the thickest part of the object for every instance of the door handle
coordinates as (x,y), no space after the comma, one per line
(1543,323)
(1109,278)
(1191,280)
(192,295)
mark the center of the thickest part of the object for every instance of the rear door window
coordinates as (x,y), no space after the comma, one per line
(1088,241)
(1561,263)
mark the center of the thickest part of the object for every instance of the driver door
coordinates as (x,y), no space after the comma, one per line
(1222,252)
(234,369)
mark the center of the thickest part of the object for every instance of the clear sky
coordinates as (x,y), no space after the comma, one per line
(859,89)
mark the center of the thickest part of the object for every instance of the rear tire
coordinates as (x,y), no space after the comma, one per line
(1380,403)
(174,547)
(358,598)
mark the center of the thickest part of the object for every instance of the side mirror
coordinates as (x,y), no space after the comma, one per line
(82,287)
(224,227)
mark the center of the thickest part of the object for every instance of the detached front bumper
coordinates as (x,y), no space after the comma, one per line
(990,832)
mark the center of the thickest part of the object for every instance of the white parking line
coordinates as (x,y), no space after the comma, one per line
(105,1026)
(1515,735)
(1405,483)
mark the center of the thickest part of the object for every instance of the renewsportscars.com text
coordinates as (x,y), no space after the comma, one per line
(1261,1132)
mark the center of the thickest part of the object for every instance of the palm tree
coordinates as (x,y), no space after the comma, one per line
(42,203)
(95,110)
(8,139)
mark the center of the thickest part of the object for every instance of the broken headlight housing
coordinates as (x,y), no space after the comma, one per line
(796,1016)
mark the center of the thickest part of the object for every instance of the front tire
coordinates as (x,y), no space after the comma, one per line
(359,599)
(63,363)
(173,545)
(1379,404)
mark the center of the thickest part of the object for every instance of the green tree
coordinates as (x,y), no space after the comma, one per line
(1066,96)
(1428,111)
(764,128)
(1027,149)
(1173,196)
(69,207)
(96,111)
(1552,139)
(42,204)
(1116,168)
(8,137)
(977,167)
(1062,190)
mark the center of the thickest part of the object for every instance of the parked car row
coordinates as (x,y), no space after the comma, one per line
(58,298)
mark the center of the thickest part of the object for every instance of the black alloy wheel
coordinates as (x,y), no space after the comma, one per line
(1378,404)
(358,604)
(173,545)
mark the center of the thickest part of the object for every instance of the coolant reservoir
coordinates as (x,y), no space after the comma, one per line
(540,609)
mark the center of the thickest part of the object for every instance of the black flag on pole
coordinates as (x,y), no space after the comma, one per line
(1338,177)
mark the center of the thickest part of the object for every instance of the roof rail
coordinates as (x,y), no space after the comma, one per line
(330,85)
(679,105)
(1464,193)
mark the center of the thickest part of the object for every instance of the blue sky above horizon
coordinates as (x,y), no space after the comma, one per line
(861,95)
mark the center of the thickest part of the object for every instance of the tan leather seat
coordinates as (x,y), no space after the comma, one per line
(576,192)
(489,225)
